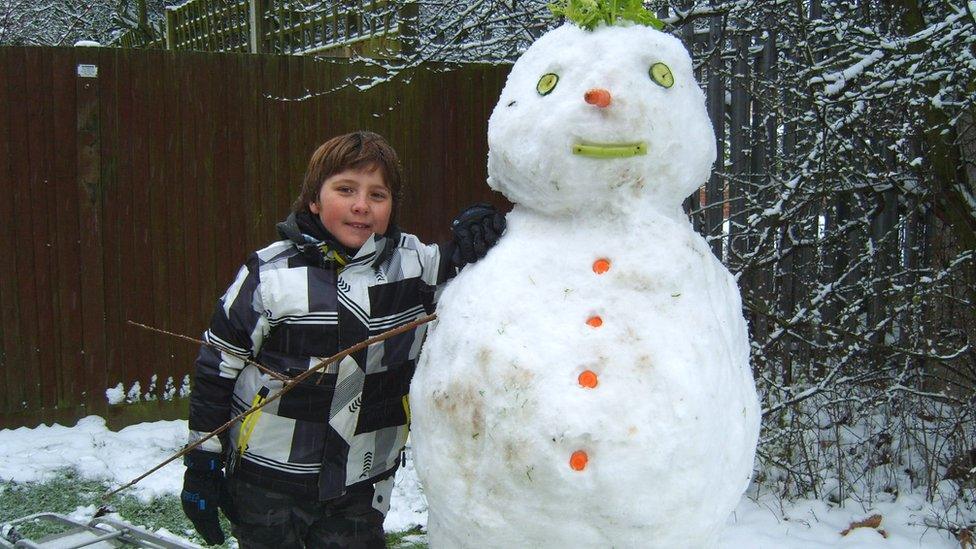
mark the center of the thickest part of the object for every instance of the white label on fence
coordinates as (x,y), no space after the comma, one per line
(88,71)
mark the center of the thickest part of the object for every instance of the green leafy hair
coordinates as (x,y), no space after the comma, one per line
(588,14)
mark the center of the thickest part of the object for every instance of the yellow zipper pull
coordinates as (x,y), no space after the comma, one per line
(250,421)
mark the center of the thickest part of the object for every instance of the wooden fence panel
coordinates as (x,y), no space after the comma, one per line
(137,193)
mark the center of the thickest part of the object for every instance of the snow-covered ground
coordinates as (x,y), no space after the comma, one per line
(759,521)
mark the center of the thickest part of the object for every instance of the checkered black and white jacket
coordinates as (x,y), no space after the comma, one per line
(288,308)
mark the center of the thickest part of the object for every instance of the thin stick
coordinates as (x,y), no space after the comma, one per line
(289,384)
(246,360)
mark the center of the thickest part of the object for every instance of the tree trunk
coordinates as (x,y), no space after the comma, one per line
(952,188)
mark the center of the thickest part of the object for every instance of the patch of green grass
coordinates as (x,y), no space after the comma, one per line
(163,512)
(63,494)
(66,491)
(398,539)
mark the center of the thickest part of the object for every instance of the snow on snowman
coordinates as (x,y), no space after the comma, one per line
(587,383)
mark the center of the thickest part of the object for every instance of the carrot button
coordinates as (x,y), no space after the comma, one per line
(601,266)
(578,460)
(588,379)
(595,321)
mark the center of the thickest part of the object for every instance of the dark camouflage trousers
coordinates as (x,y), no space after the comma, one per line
(273,520)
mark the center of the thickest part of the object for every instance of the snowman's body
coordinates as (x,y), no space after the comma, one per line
(587,383)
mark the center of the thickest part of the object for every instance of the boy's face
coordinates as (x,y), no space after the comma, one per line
(353,205)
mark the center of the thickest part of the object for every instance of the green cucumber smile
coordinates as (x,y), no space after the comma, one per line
(612,150)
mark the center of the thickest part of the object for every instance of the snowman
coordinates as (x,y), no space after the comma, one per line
(587,383)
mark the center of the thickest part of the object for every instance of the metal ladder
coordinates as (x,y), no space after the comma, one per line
(100,532)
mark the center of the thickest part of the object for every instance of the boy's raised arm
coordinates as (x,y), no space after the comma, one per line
(473,232)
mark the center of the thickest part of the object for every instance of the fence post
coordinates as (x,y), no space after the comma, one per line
(90,208)
(256,10)
(170,29)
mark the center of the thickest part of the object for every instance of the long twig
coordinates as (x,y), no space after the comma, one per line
(289,384)
(246,360)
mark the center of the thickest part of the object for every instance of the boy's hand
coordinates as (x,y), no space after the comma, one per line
(475,231)
(203,492)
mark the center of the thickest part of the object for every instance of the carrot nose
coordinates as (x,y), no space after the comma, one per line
(598,97)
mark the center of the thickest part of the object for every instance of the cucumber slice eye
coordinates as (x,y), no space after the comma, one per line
(547,83)
(661,75)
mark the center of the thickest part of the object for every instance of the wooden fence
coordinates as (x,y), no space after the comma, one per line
(134,183)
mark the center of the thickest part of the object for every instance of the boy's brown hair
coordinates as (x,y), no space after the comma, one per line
(360,150)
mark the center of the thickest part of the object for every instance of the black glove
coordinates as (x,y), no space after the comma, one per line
(475,231)
(203,491)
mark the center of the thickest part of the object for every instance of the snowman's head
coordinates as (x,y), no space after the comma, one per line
(605,119)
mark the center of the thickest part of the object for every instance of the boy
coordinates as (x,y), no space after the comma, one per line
(315,468)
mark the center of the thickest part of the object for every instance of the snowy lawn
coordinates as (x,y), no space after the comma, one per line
(66,469)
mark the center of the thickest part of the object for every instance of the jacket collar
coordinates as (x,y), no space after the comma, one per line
(377,249)
(327,251)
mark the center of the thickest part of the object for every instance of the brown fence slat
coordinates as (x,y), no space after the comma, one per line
(471,138)
(263,75)
(249,72)
(297,132)
(231,158)
(28,378)
(203,93)
(68,306)
(117,208)
(270,130)
(279,135)
(165,146)
(127,291)
(187,172)
(124,292)
(40,187)
(11,348)
(152,220)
